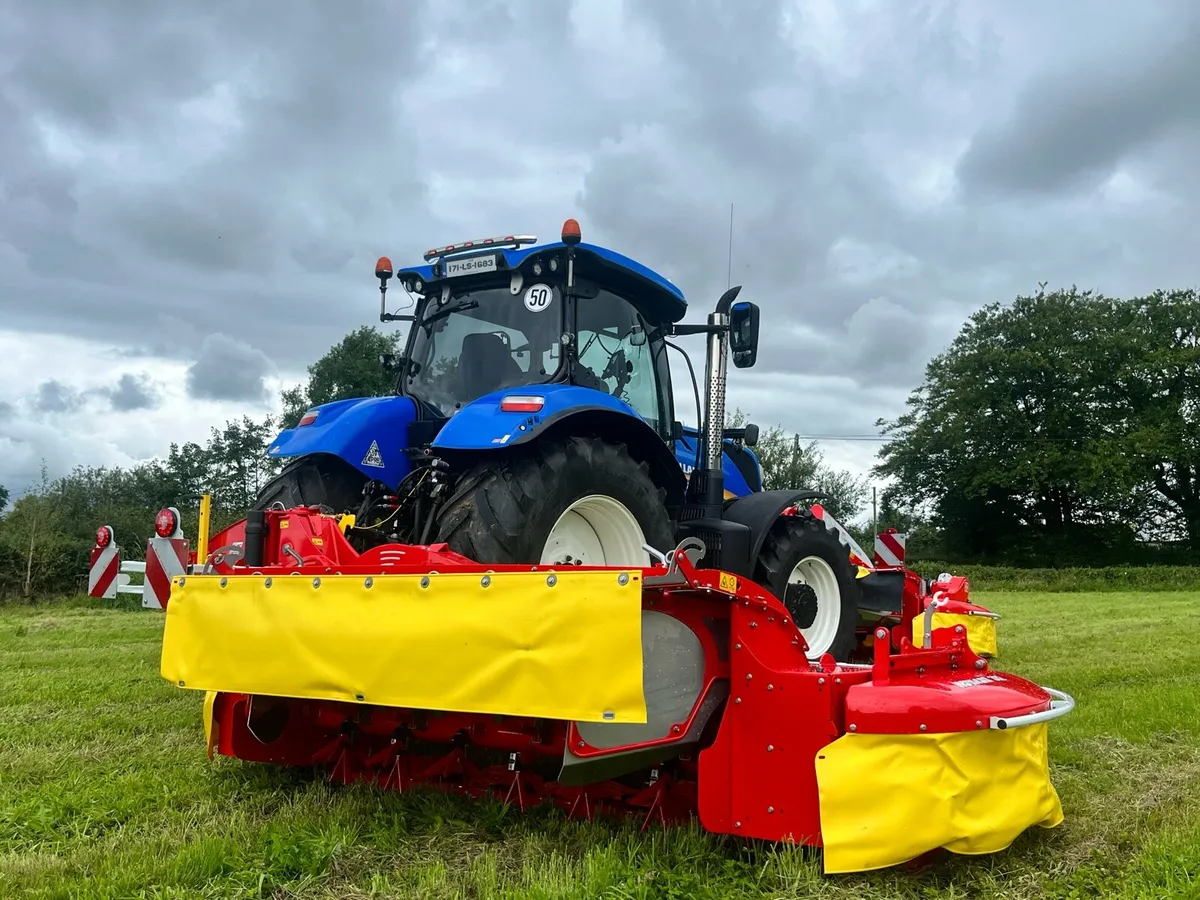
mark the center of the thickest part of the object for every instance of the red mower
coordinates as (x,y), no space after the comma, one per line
(539,585)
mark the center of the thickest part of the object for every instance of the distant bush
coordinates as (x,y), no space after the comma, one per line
(1111,578)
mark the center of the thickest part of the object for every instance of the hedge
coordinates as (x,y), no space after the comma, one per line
(1112,578)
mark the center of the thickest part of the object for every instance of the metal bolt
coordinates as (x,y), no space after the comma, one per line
(675,729)
(368,581)
(753,624)
(854,728)
(425,581)
(224,582)
(748,676)
(609,715)
(737,646)
(785,621)
(737,699)
(770,748)
(551,580)
(770,809)
(358,696)
(580,744)
(181,581)
(181,682)
(267,583)
(623,579)
(978,724)
(316,582)
(737,824)
(979,664)
(838,680)
(923,727)
(821,680)
(770,687)
(485,580)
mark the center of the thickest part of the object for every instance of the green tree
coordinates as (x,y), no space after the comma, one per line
(1156,401)
(1016,437)
(350,368)
(786,463)
(3,498)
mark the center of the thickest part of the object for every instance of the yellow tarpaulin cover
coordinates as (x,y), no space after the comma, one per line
(980,630)
(887,799)
(516,647)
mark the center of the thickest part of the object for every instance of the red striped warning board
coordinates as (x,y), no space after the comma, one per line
(166,558)
(104,565)
(858,555)
(889,548)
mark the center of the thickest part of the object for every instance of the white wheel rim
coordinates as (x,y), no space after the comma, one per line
(818,574)
(596,531)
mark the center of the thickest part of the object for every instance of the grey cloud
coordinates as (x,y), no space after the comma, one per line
(7,410)
(55,397)
(1074,123)
(237,168)
(228,369)
(133,392)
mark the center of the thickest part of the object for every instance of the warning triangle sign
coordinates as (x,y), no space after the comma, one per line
(373,458)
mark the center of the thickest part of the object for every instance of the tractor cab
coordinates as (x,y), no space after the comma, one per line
(497,314)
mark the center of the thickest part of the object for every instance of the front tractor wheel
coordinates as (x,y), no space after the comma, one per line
(578,501)
(809,569)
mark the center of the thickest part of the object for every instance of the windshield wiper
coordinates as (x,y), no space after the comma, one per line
(447,310)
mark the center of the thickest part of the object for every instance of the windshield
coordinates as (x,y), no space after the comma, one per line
(482,341)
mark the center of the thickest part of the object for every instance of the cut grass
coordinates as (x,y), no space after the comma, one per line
(105,790)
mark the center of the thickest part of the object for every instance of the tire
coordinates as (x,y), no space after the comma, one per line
(828,614)
(517,508)
(318,480)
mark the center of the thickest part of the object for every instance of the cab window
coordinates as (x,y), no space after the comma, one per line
(616,356)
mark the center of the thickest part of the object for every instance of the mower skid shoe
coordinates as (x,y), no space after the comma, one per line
(564,645)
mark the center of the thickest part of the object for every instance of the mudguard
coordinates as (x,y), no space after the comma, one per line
(370,433)
(760,511)
(483,425)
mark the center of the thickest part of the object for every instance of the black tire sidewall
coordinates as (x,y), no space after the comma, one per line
(795,538)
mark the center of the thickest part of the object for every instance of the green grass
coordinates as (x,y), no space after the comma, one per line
(1068,580)
(105,790)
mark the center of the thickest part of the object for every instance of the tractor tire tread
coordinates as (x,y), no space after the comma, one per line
(501,508)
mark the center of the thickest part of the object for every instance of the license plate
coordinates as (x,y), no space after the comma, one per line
(470,265)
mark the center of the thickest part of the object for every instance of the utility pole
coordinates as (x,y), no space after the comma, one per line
(874,515)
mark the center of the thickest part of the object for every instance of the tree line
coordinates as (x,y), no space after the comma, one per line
(1061,429)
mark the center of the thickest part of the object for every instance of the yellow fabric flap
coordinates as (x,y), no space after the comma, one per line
(887,799)
(519,646)
(980,631)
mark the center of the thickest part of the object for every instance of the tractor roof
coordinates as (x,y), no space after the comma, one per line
(657,296)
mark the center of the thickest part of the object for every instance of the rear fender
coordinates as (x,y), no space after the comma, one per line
(370,433)
(567,410)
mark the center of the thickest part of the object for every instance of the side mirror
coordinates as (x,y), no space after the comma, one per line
(751,437)
(637,336)
(743,334)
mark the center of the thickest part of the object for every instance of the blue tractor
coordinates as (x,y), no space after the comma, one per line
(534,422)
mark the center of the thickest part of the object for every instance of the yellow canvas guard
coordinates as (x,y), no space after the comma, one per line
(980,631)
(518,646)
(970,792)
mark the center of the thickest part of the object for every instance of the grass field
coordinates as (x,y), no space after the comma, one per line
(105,790)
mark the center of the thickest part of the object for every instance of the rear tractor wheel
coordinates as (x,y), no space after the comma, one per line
(571,502)
(809,570)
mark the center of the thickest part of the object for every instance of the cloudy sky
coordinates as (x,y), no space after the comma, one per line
(192,196)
